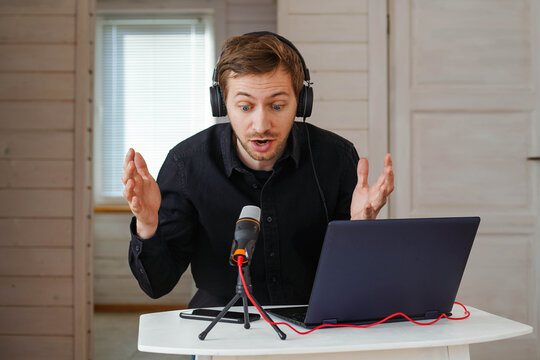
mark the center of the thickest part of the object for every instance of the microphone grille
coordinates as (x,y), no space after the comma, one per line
(251,211)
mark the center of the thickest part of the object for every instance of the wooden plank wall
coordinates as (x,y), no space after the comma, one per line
(344,43)
(39,301)
(113,282)
(245,16)
(333,38)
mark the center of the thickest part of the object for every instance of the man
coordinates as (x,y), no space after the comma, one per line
(263,158)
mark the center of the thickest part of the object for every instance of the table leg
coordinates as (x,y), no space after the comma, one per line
(458,352)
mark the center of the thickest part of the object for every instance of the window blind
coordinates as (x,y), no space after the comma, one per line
(153,92)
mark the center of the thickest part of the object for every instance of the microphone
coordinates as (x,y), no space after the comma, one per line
(245,234)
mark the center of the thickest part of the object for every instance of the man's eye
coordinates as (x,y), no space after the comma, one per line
(278,107)
(245,107)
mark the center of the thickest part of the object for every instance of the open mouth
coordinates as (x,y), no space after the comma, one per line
(261,145)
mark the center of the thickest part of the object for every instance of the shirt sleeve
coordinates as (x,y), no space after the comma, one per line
(158,262)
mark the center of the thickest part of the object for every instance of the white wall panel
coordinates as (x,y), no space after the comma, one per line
(464,119)
(36,321)
(334,40)
(37,57)
(253,12)
(36,174)
(26,7)
(37,115)
(327,7)
(335,57)
(37,347)
(36,203)
(455,46)
(51,262)
(37,29)
(46,232)
(340,114)
(449,148)
(498,275)
(339,85)
(37,86)
(36,144)
(42,307)
(36,291)
(336,28)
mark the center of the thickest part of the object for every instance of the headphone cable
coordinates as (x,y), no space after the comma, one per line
(315,173)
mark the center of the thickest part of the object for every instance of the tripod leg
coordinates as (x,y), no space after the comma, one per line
(246,312)
(281,334)
(202,335)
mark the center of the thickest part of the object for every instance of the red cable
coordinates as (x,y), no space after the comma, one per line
(241,258)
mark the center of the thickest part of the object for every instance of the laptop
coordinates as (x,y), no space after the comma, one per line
(370,269)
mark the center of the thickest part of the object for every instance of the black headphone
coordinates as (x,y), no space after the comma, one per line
(305,98)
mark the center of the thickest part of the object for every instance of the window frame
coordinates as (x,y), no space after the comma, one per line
(100,201)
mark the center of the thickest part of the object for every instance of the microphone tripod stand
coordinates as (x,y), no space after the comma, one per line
(241,293)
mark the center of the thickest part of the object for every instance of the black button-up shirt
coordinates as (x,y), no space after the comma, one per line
(204,186)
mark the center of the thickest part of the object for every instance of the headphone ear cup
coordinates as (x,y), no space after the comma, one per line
(305,102)
(217,102)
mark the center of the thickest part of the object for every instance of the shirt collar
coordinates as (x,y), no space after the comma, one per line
(231,160)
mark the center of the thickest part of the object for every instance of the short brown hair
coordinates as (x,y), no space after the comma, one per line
(258,54)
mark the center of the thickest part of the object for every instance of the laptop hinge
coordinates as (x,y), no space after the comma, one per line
(329,321)
(432,314)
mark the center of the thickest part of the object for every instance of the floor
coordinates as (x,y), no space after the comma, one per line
(115,338)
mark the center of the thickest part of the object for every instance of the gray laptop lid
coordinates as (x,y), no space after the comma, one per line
(373,268)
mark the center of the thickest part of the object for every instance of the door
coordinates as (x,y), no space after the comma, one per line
(464,105)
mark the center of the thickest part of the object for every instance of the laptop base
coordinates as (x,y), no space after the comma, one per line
(297,316)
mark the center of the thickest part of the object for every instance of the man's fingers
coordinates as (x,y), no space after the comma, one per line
(129,157)
(141,166)
(133,189)
(128,190)
(129,170)
(369,212)
(363,170)
(387,160)
(138,185)
(389,172)
(389,183)
(381,180)
(135,170)
(380,199)
(389,178)
(135,205)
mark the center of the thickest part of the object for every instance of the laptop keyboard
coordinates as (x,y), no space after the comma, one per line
(297,313)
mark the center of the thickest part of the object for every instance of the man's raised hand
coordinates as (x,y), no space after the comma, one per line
(367,201)
(142,193)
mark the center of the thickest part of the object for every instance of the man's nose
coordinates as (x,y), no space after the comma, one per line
(261,121)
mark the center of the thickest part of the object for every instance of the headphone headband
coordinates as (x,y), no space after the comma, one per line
(305,98)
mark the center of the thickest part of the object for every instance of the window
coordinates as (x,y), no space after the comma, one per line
(152,79)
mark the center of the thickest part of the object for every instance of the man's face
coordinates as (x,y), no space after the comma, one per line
(261,109)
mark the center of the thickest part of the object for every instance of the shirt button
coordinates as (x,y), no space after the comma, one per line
(272,254)
(255,186)
(269,219)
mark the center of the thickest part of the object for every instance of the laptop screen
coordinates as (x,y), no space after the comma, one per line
(370,269)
